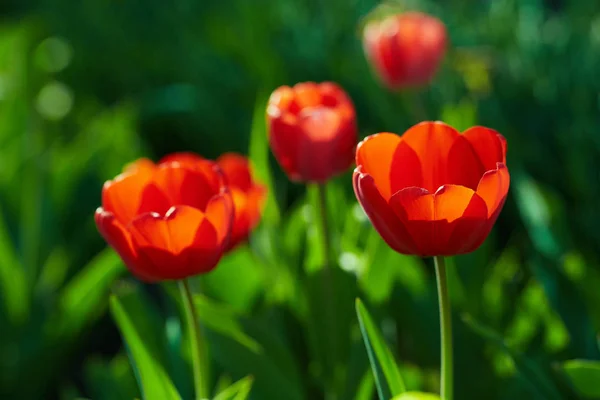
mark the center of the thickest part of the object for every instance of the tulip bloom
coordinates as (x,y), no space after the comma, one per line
(433,191)
(405,49)
(312,130)
(248,196)
(167,220)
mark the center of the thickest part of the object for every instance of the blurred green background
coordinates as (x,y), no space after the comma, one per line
(86,87)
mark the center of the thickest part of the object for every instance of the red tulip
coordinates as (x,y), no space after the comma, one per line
(405,49)
(248,196)
(433,191)
(312,130)
(167,220)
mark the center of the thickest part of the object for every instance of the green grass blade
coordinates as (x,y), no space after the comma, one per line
(239,390)
(132,317)
(584,375)
(387,375)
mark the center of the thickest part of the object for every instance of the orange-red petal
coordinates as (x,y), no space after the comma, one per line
(184,185)
(236,169)
(145,165)
(125,195)
(221,213)
(375,155)
(443,223)
(493,188)
(306,95)
(432,142)
(184,158)
(488,144)
(119,239)
(383,218)
(181,243)
(209,169)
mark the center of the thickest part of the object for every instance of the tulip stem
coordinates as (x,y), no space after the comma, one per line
(328,289)
(199,353)
(324,224)
(445,328)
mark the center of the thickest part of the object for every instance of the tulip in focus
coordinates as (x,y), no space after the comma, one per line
(312,130)
(249,196)
(405,49)
(167,221)
(432,191)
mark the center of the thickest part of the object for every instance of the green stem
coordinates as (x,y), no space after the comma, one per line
(445,328)
(324,223)
(412,100)
(199,353)
(328,287)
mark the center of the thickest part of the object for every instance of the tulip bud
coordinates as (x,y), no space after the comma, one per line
(405,49)
(312,130)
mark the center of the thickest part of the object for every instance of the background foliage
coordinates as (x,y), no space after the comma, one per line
(86,87)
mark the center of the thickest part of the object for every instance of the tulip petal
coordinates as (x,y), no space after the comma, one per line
(200,165)
(186,158)
(388,48)
(442,223)
(415,209)
(332,95)
(283,140)
(181,243)
(316,155)
(221,213)
(120,240)
(493,188)
(488,144)
(144,165)
(461,215)
(131,191)
(257,198)
(248,210)
(320,124)
(306,95)
(185,186)
(236,169)
(464,165)
(374,155)
(504,146)
(385,222)
(405,170)
(432,142)
(371,45)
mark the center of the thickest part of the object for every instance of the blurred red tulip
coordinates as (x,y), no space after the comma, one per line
(248,196)
(312,130)
(433,191)
(405,49)
(167,220)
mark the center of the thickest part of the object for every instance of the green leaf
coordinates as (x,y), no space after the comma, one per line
(384,267)
(275,371)
(387,375)
(331,317)
(584,376)
(223,319)
(85,295)
(417,396)
(365,387)
(133,319)
(238,281)
(315,252)
(111,380)
(530,373)
(237,391)
(259,157)
(13,284)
